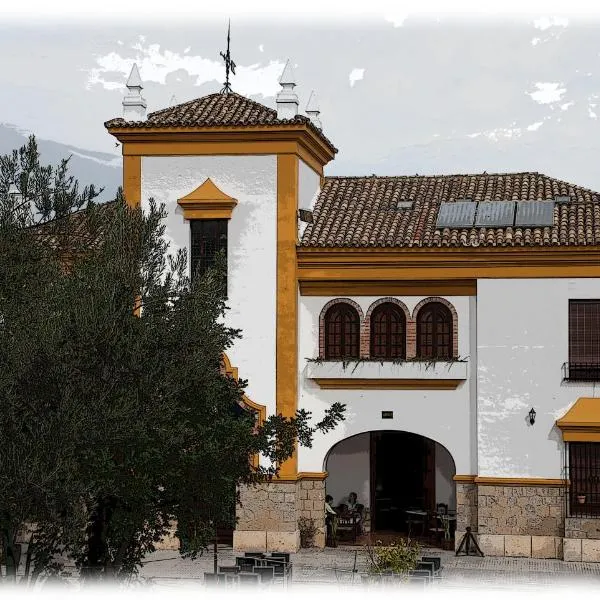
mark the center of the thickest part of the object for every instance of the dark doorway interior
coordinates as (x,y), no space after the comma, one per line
(402,478)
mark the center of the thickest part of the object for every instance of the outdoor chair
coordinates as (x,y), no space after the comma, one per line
(215,578)
(229,569)
(248,578)
(424,565)
(245,564)
(282,555)
(436,560)
(279,567)
(419,578)
(266,574)
(348,523)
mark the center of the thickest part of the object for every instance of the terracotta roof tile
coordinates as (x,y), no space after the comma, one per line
(217,110)
(361,212)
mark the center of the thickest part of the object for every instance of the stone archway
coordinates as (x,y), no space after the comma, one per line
(391,472)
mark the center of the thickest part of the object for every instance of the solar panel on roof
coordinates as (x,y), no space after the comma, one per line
(535,214)
(562,198)
(456,214)
(407,204)
(499,213)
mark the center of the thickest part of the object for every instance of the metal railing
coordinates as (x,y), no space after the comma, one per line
(576,371)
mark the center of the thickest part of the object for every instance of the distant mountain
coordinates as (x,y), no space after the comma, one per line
(103,170)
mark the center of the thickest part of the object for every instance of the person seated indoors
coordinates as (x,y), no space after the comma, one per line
(352,501)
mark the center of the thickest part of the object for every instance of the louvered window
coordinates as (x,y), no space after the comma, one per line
(584,340)
(209,237)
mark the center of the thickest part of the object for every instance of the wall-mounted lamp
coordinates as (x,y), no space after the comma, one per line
(532,416)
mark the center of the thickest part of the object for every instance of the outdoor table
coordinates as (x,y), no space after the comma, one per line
(417,513)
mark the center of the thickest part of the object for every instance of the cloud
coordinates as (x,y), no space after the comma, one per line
(547,93)
(261,48)
(535,126)
(546,22)
(356,75)
(397,19)
(155,64)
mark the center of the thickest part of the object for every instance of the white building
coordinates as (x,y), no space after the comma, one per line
(457,317)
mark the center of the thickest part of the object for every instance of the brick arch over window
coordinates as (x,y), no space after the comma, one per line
(324,311)
(454,324)
(365,338)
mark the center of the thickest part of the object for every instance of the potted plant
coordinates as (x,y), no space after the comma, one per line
(581,498)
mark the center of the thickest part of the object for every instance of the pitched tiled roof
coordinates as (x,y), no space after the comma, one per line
(216,110)
(72,231)
(362,212)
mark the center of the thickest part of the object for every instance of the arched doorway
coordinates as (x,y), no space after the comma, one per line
(391,472)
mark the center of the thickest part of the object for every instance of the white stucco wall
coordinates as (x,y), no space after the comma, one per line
(445,489)
(349,470)
(522,343)
(445,416)
(309,183)
(252,181)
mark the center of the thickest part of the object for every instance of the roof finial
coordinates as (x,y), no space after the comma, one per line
(287,101)
(229,64)
(312,110)
(134,106)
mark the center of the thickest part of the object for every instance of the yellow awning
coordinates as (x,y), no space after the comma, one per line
(581,423)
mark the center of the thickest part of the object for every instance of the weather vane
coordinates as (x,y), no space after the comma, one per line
(229,64)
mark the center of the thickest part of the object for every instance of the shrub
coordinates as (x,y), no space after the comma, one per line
(397,557)
(308,530)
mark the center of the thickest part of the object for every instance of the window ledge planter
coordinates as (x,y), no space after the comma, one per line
(393,375)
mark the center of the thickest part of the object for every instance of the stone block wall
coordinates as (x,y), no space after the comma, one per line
(466,507)
(587,529)
(311,504)
(521,510)
(267,518)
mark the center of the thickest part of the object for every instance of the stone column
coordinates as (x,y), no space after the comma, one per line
(582,539)
(311,504)
(267,518)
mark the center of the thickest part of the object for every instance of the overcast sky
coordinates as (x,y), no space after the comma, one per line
(399,94)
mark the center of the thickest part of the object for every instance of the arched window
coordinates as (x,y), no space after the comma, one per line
(434,331)
(388,332)
(342,327)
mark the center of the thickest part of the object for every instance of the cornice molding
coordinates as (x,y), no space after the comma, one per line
(207,201)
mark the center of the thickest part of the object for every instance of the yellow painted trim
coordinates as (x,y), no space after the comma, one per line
(287,296)
(426,264)
(132,180)
(522,481)
(581,423)
(303,476)
(466,287)
(574,435)
(207,201)
(198,141)
(464,478)
(387,384)
(259,409)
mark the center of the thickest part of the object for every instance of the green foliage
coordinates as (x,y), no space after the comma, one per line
(308,530)
(117,419)
(398,557)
